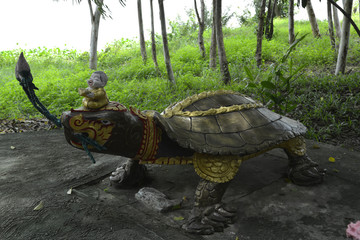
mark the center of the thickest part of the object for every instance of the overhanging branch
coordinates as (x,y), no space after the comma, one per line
(346,15)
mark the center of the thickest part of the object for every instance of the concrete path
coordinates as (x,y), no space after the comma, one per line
(38,168)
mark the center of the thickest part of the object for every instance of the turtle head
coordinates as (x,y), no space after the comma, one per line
(111,130)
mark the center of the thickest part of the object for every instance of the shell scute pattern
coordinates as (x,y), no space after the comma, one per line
(232,122)
(225,122)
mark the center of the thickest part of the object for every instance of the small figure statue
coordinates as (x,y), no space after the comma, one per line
(95,96)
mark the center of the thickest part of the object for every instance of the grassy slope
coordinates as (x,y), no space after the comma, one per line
(329,106)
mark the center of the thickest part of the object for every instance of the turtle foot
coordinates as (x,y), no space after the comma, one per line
(209,220)
(130,174)
(304,172)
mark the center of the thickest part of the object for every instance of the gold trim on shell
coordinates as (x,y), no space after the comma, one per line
(177,108)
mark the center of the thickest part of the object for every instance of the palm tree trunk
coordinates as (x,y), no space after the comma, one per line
(201,22)
(212,62)
(312,20)
(95,23)
(331,25)
(153,44)
(344,41)
(291,22)
(336,22)
(271,30)
(268,19)
(224,66)
(165,43)
(141,33)
(260,33)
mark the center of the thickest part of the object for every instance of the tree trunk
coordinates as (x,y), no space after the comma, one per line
(291,22)
(153,44)
(165,43)
(224,66)
(141,33)
(212,62)
(268,20)
(312,19)
(201,21)
(95,23)
(331,25)
(271,30)
(260,32)
(344,41)
(269,26)
(277,8)
(336,22)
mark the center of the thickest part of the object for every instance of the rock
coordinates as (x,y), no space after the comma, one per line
(156,200)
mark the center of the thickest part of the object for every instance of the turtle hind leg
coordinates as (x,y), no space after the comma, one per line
(130,174)
(209,215)
(302,170)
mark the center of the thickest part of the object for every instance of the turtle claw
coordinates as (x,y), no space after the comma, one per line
(210,220)
(196,226)
(305,172)
(130,174)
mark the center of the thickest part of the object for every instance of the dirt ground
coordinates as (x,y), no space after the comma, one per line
(37,169)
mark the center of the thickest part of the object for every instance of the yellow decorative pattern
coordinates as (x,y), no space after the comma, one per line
(170,161)
(216,168)
(151,136)
(113,106)
(95,129)
(177,108)
(296,146)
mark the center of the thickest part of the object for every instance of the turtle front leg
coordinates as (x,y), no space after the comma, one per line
(209,214)
(130,174)
(302,170)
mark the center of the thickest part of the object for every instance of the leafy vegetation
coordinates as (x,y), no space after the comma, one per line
(300,85)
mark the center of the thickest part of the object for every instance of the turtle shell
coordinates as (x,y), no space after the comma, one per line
(226,123)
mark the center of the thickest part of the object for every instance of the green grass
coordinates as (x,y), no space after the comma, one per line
(328,105)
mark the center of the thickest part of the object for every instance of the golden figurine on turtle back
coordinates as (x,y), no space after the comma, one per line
(95,96)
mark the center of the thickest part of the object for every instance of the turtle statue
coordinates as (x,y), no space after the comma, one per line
(214,131)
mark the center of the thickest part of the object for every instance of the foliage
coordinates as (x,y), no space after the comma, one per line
(329,106)
(277,86)
(180,28)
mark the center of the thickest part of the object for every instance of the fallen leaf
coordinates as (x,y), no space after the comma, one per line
(179,218)
(176,207)
(287,180)
(39,206)
(331,159)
